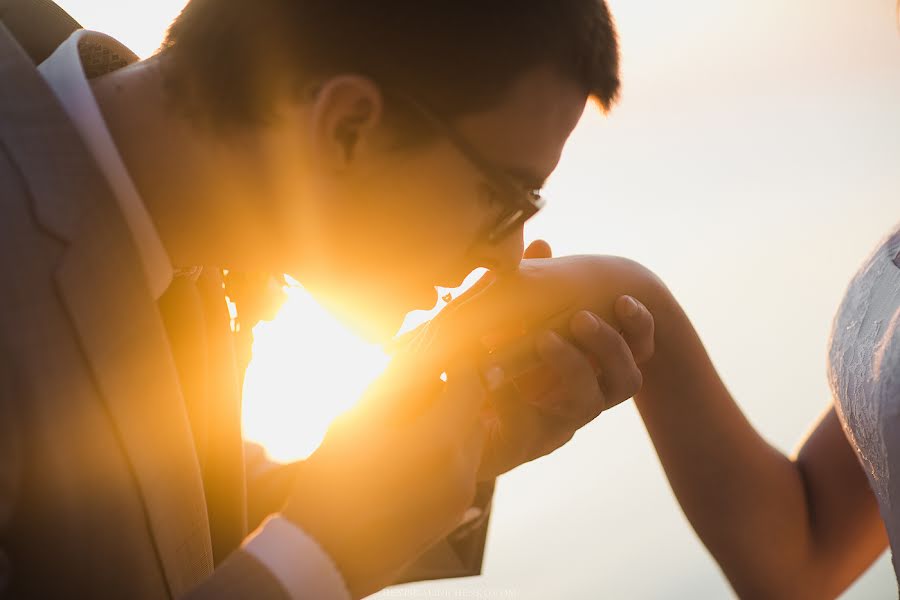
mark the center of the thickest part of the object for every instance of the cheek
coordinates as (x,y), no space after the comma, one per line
(407,225)
(439,229)
(374,247)
(432,214)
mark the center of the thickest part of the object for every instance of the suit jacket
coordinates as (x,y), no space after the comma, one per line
(123,473)
(38,25)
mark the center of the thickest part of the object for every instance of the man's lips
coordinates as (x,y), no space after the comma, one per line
(427,298)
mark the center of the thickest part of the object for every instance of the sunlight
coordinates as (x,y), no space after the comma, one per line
(751,163)
(307,369)
(139,24)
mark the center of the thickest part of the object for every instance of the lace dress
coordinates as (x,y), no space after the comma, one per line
(864,372)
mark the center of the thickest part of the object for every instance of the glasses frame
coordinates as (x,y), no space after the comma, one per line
(520,204)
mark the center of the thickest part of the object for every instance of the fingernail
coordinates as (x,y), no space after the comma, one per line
(549,343)
(584,323)
(631,306)
(494,378)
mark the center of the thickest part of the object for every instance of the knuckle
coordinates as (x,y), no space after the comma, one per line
(463,457)
(648,326)
(565,364)
(586,414)
(601,335)
(596,407)
(620,347)
(581,372)
(591,409)
(609,340)
(565,438)
(446,455)
(462,489)
(634,381)
(647,351)
(440,461)
(557,440)
(642,323)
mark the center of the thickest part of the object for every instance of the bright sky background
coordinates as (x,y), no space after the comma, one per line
(753,162)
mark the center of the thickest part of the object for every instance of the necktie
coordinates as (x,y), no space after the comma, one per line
(197,322)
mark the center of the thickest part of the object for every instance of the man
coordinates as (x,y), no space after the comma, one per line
(355,145)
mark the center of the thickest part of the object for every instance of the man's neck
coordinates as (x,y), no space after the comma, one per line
(187,177)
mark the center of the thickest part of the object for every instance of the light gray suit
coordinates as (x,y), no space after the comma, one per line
(122,469)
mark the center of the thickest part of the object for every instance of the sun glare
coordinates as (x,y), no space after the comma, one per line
(307,369)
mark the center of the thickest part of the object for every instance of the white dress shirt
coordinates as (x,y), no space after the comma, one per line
(65,75)
(304,570)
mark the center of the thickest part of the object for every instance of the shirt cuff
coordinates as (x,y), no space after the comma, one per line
(299,564)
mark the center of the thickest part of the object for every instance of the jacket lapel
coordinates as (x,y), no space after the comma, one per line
(102,285)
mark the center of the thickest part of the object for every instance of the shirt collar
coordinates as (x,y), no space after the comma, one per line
(65,73)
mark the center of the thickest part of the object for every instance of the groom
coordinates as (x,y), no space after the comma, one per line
(355,145)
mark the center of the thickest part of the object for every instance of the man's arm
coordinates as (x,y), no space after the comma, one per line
(240,577)
(459,555)
(780,527)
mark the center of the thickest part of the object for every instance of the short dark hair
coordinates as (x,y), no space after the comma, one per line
(227,60)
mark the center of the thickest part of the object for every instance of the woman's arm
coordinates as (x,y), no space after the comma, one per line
(779,527)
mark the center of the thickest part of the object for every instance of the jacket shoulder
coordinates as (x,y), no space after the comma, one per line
(42,143)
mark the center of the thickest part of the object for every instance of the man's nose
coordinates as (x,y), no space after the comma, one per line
(505,254)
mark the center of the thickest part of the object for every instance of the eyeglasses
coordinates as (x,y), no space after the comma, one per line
(518,203)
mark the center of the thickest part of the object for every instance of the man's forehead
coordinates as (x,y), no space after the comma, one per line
(526,132)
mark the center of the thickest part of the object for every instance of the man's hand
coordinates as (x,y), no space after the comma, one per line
(571,383)
(540,410)
(396,474)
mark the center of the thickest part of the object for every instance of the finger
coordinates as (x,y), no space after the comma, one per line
(475,439)
(404,340)
(487,278)
(483,283)
(516,434)
(460,403)
(401,392)
(458,421)
(425,333)
(513,301)
(437,338)
(637,327)
(577,394)
(620,376)
(538,249)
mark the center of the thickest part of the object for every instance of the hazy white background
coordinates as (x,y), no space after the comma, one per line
(753,162)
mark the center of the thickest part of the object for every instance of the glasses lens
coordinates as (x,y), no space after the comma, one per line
(507,224)
(516,217)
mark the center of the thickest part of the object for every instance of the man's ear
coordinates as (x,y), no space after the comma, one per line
(345,112)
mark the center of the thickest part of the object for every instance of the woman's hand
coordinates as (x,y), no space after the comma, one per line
(552,371)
